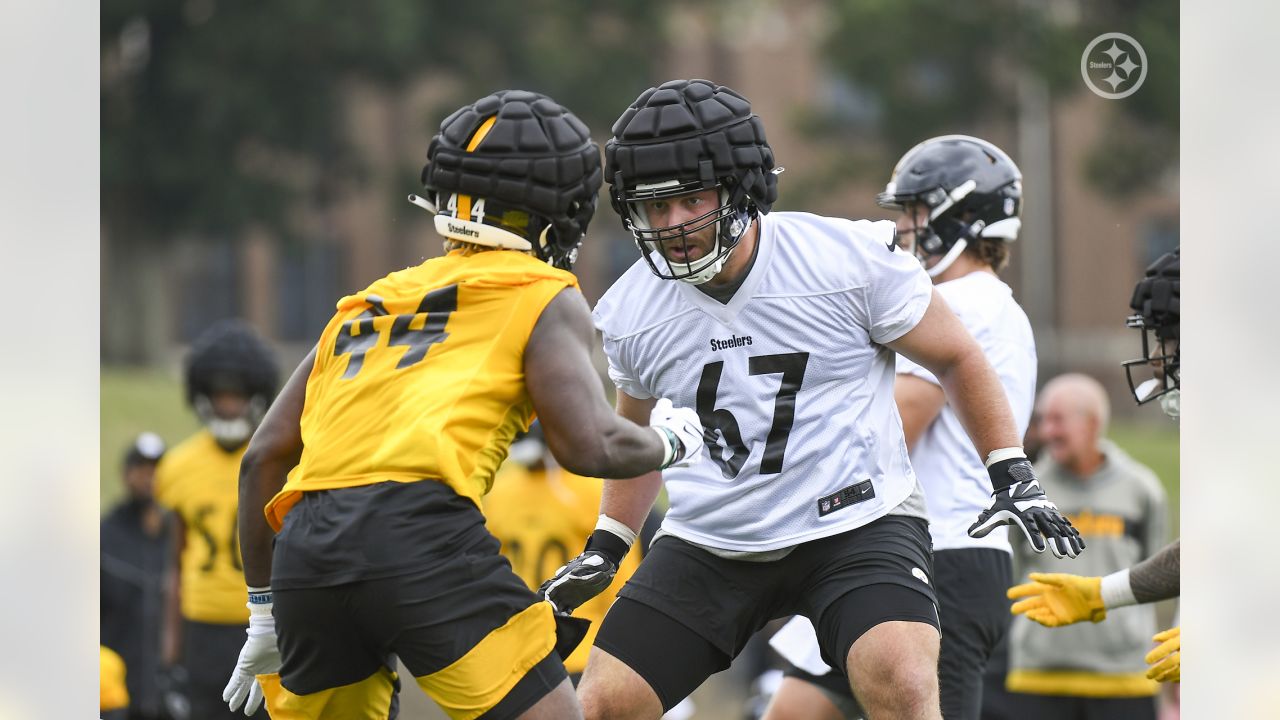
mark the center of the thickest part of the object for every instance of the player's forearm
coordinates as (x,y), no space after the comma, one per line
(629,501)
(609,446)
(274,450)
(261,477)
(973,389)
(1159,577)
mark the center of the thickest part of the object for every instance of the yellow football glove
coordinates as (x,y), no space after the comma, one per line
(1056,599)
(1168,669)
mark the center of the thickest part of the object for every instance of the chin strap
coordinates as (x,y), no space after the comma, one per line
(948,259)
(705,273)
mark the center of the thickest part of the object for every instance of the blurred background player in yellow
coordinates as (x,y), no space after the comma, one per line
(1057,599)
(231,376)
(136,558)
(113,696)
(391,429)
(542,514)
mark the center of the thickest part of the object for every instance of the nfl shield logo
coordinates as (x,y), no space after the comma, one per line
(826,505)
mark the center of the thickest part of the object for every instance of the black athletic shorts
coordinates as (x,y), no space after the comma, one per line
(458,620)
(686,613)
(974,610)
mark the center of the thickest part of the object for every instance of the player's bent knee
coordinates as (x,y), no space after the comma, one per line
(559,704)
(895,665)
(611,690)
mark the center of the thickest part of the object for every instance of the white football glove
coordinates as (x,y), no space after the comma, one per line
(259,656)
(681,433)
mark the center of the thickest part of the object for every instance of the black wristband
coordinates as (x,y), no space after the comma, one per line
(1006,472)
(608,544)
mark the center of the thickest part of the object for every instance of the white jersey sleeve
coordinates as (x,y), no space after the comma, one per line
(894,290)
(621,372)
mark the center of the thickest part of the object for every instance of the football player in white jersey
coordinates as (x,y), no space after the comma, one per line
(781,330)
(1057,599)
(959,199)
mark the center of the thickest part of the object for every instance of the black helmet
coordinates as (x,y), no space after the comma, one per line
(970,187)
(1155,305)
(681,137)
(231,357)
(146,449)
(516,170)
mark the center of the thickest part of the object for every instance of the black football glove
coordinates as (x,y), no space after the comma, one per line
(587,575)
(1020,501)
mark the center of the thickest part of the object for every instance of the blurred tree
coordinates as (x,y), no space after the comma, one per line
(934,65)
(217,114)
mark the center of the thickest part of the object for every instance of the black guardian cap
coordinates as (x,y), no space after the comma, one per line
(682,137)
(231,357)
(515,170)
(1156,313)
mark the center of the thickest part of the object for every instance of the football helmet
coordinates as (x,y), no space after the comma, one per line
(970,188)
(513,170)
(682,137)
(1155,305)
(230,357)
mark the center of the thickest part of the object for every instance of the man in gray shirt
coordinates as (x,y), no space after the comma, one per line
(1089,672)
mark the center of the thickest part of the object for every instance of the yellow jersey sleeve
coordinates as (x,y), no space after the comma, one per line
(200,482)
(421,376)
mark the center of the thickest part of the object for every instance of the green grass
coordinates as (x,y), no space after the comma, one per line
(134,401)
(1156,446)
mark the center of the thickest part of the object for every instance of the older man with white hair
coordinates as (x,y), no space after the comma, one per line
(1087,671)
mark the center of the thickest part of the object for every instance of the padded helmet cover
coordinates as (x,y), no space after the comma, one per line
(696,132)
(537,157)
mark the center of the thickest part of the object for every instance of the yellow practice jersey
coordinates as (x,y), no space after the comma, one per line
(543,519)
(421,376)
(200,482)
(112,693)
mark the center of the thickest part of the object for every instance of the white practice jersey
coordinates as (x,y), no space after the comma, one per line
(956,485)
(791,379)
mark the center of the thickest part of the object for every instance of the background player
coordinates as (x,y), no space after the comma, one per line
(1119,506)
(231,376)
(542,513)
(781,329)
(960,199)
(391,429)
(1057,599)
(136,559)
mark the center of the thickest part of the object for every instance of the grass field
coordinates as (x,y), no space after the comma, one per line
(133,401)
(1156,446)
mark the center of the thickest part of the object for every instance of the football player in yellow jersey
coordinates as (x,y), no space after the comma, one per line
(372,462)
(542,513)
(113,696)
(231,375)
